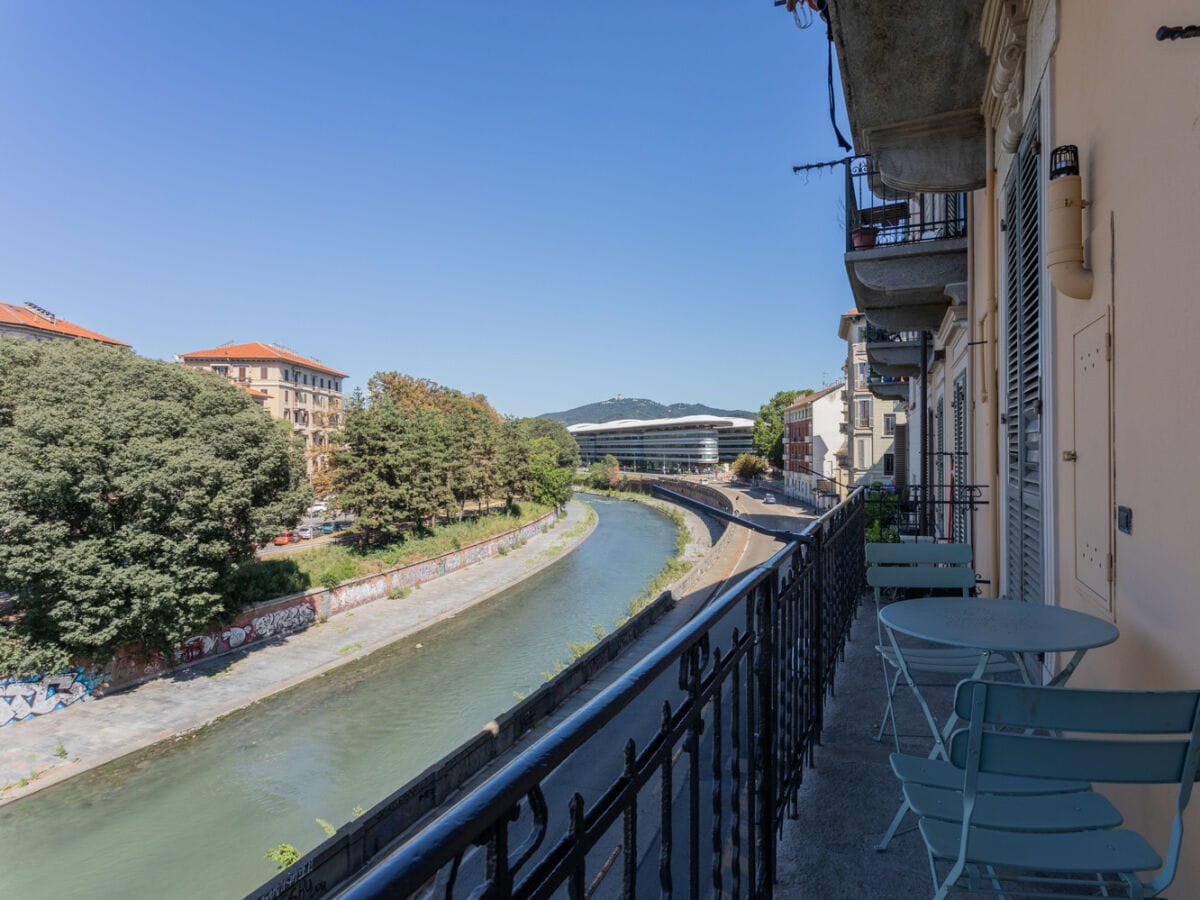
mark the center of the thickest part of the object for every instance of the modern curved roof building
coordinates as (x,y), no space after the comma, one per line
(687,442)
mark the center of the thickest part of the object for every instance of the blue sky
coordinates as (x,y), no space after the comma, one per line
(549,203)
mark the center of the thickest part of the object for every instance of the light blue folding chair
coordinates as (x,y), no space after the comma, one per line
(1033,845)
(922,567)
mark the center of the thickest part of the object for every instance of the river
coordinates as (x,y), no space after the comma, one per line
(193,817)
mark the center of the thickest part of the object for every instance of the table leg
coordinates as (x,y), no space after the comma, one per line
(939,734)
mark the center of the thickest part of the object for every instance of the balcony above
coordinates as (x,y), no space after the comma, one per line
(886,388)
(897,354)
(902,250)
(902,287)
(913,74)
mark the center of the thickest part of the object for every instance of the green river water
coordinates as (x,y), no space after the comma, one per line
(193,818)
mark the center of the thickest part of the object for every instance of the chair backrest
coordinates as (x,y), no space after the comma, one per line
(1158,743)
(933,566)
(919,554)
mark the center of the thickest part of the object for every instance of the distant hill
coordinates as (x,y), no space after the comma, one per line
(633,408)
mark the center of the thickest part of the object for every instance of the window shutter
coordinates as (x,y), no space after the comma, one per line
(1022,353)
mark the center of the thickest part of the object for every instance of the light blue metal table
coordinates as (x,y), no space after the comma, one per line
(990,625)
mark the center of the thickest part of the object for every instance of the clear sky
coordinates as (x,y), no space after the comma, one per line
(546,202)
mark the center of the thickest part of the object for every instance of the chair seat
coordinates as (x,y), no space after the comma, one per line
(1113,850)
(1075,811)
(941,774)
(948,661)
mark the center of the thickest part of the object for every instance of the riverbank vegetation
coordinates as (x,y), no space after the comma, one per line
(412,450)
(332,564)
(131,491)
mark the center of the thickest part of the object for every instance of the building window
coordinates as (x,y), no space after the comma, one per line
(287,395)
(862,374)
(221,370)
(889,464)
(262,373)
(864,413)
(889,423)
(306,378)
(241,373)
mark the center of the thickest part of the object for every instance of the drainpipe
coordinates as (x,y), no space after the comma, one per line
(924,519)
(991,354)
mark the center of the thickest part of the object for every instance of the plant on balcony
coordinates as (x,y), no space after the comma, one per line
(863,237)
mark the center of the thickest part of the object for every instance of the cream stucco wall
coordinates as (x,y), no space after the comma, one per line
(1132,105)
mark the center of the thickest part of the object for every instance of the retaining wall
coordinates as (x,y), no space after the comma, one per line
(23,698)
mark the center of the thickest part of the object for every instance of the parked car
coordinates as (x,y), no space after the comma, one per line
(305,533)
(285,537)
(768,498)
(318,509)
(327,528)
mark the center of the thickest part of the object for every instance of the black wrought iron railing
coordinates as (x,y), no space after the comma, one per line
(878,215)
(873,334)
(677,777)
(940,511)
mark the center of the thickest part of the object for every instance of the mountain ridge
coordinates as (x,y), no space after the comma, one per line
(637,408)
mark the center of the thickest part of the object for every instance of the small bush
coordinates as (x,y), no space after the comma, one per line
(398,593)
(283,855)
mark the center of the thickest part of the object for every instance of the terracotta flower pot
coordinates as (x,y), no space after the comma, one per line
(863,237)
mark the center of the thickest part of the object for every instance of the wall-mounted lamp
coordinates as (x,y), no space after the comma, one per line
(1064,225)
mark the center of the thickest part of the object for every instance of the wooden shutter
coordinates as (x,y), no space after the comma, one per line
(1024,556)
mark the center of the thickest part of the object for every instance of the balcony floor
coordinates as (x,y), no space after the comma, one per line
(850,796)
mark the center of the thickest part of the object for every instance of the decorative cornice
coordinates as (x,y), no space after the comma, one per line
(1002,35)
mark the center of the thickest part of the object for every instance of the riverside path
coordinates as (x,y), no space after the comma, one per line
(100,730)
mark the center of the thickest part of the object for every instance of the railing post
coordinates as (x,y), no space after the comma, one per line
(817,549)
(765,739)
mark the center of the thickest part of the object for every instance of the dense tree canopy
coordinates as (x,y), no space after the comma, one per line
(130,492)
(749,466)
(568,447)
(414,449)
(768,427)
(605,474)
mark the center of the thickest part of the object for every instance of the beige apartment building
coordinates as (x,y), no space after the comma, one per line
(874,414)
(303,391)
(1065,307)
(36,323)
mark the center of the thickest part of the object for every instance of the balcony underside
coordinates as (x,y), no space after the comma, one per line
(902,287)
(889,390)
(913,75)
(898,359)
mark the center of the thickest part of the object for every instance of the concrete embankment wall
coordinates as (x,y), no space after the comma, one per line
(356,842)
(22,698)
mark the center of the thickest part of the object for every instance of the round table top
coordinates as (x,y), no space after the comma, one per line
(989,623)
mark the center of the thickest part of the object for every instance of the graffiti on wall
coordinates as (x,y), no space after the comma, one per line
(283,620)
(280,621)
(24,698)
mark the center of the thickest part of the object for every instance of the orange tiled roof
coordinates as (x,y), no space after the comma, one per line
(253,392)
(255,350)
(29,318)
(816,395)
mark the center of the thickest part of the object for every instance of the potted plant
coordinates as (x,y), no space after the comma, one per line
(863,237)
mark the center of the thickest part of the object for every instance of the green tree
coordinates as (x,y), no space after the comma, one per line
(550,483)
(568,447)
(514,477)
(391,467)
(768,426)
(605,474)
(749,466)
(130,492)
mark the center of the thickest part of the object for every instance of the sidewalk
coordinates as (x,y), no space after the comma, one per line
(99,730)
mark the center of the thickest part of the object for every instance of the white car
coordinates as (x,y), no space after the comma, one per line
(317,508)
(768,498)
(306,532)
